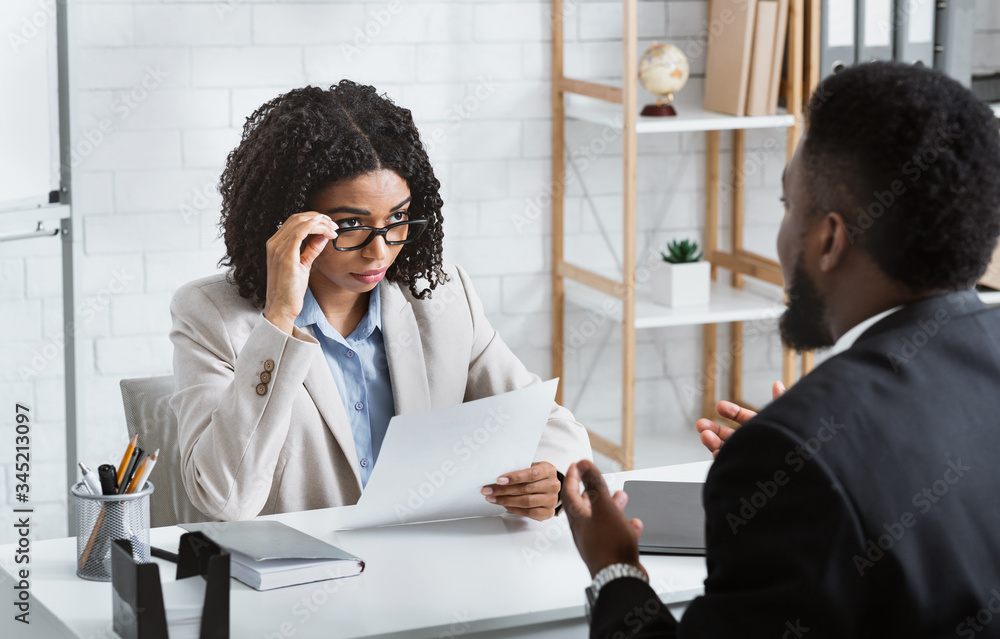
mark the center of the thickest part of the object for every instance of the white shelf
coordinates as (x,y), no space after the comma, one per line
(690,117)
(757,301)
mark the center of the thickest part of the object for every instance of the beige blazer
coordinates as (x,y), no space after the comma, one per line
(262,428)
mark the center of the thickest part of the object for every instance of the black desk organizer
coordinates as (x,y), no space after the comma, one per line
(138,596)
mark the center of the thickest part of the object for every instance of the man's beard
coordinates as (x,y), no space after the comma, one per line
(802,324)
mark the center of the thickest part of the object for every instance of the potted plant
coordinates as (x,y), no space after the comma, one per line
(681,279)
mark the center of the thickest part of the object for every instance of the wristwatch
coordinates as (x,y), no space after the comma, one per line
(609,574)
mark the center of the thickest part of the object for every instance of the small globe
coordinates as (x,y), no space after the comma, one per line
(663,70)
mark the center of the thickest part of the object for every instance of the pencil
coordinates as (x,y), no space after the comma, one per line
(137,474)
(93,538)
(130,470)
(122,467)
(140,475)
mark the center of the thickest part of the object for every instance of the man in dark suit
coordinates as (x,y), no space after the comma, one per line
(864,501)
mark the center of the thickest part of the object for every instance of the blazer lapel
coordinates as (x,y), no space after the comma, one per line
(323,390)
(403,349)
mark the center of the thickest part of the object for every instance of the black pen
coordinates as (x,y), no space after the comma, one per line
(130,470)
(109,480)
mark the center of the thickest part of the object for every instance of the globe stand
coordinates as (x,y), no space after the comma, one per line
(659,110)
(662,108)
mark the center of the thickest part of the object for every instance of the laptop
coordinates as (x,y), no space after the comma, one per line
(672,516)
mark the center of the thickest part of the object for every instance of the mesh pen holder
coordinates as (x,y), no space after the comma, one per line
(104,518)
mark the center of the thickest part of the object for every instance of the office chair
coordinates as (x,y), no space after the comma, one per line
(148,413)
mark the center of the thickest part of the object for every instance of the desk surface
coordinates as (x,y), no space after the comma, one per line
(465,577)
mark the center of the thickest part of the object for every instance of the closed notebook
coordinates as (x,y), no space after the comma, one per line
(727,63)
(780,39)
(672,515)
(268,554)
(762,61)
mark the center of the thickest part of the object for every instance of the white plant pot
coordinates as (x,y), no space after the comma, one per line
(681,285)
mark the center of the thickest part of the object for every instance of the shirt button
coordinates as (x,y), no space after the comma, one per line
(364,462)
(359,406)
(262,389)
(350,353)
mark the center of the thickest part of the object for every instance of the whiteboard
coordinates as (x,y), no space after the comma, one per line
(29,105)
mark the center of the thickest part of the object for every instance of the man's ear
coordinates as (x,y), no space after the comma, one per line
(833,240)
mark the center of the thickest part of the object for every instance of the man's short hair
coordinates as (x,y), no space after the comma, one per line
(911,159)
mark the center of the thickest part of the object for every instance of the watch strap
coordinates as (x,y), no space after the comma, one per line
(605,576)
(616,571)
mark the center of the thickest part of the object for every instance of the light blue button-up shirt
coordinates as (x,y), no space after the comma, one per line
(359,367)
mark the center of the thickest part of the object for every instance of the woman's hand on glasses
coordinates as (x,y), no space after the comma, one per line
(289,263)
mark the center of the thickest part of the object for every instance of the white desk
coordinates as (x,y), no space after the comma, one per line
(492,577)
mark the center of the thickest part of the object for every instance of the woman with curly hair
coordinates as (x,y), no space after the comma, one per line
(336,314)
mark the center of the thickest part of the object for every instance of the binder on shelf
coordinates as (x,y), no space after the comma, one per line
(780,39)
(837,36)
(954,26)
(727,63)
(874,29)
(137,597)
(987,87)
(914,36)
(762,58)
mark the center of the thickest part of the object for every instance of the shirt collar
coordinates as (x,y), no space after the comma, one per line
(312,315)
(847,339)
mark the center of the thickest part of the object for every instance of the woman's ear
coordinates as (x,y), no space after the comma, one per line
(834,241)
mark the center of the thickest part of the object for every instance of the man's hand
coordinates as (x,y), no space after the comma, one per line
(713,435)
(532,493)
(602,534)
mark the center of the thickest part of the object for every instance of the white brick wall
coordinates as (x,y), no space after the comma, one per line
(161,91)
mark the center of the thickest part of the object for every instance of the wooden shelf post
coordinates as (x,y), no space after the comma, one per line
(739,262)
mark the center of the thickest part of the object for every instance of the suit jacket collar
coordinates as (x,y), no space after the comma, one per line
(940,308)
(403,349)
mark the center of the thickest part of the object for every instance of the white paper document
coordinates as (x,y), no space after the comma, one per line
(433,464)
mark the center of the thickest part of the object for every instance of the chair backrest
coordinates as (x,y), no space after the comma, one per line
(148,414)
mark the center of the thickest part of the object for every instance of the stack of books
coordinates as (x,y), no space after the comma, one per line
(745,56)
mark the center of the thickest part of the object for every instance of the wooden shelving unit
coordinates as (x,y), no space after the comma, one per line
(729,303)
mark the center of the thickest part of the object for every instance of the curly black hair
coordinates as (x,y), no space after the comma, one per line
(911,159)
(301,142)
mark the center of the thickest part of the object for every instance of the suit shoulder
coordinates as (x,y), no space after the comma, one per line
(212,291)
(832,389)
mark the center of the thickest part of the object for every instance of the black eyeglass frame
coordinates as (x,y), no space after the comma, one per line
(416,228)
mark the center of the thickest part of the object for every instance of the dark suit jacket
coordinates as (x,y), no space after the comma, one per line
(863,503)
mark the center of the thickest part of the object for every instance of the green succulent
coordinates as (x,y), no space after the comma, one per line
(681,252)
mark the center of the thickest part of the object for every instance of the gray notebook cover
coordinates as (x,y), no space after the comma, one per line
(672,516)
(262,540)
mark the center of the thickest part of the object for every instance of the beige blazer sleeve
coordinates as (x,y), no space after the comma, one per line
(494,369)
(229,434)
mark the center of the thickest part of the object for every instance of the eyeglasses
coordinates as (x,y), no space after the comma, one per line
(358,237)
